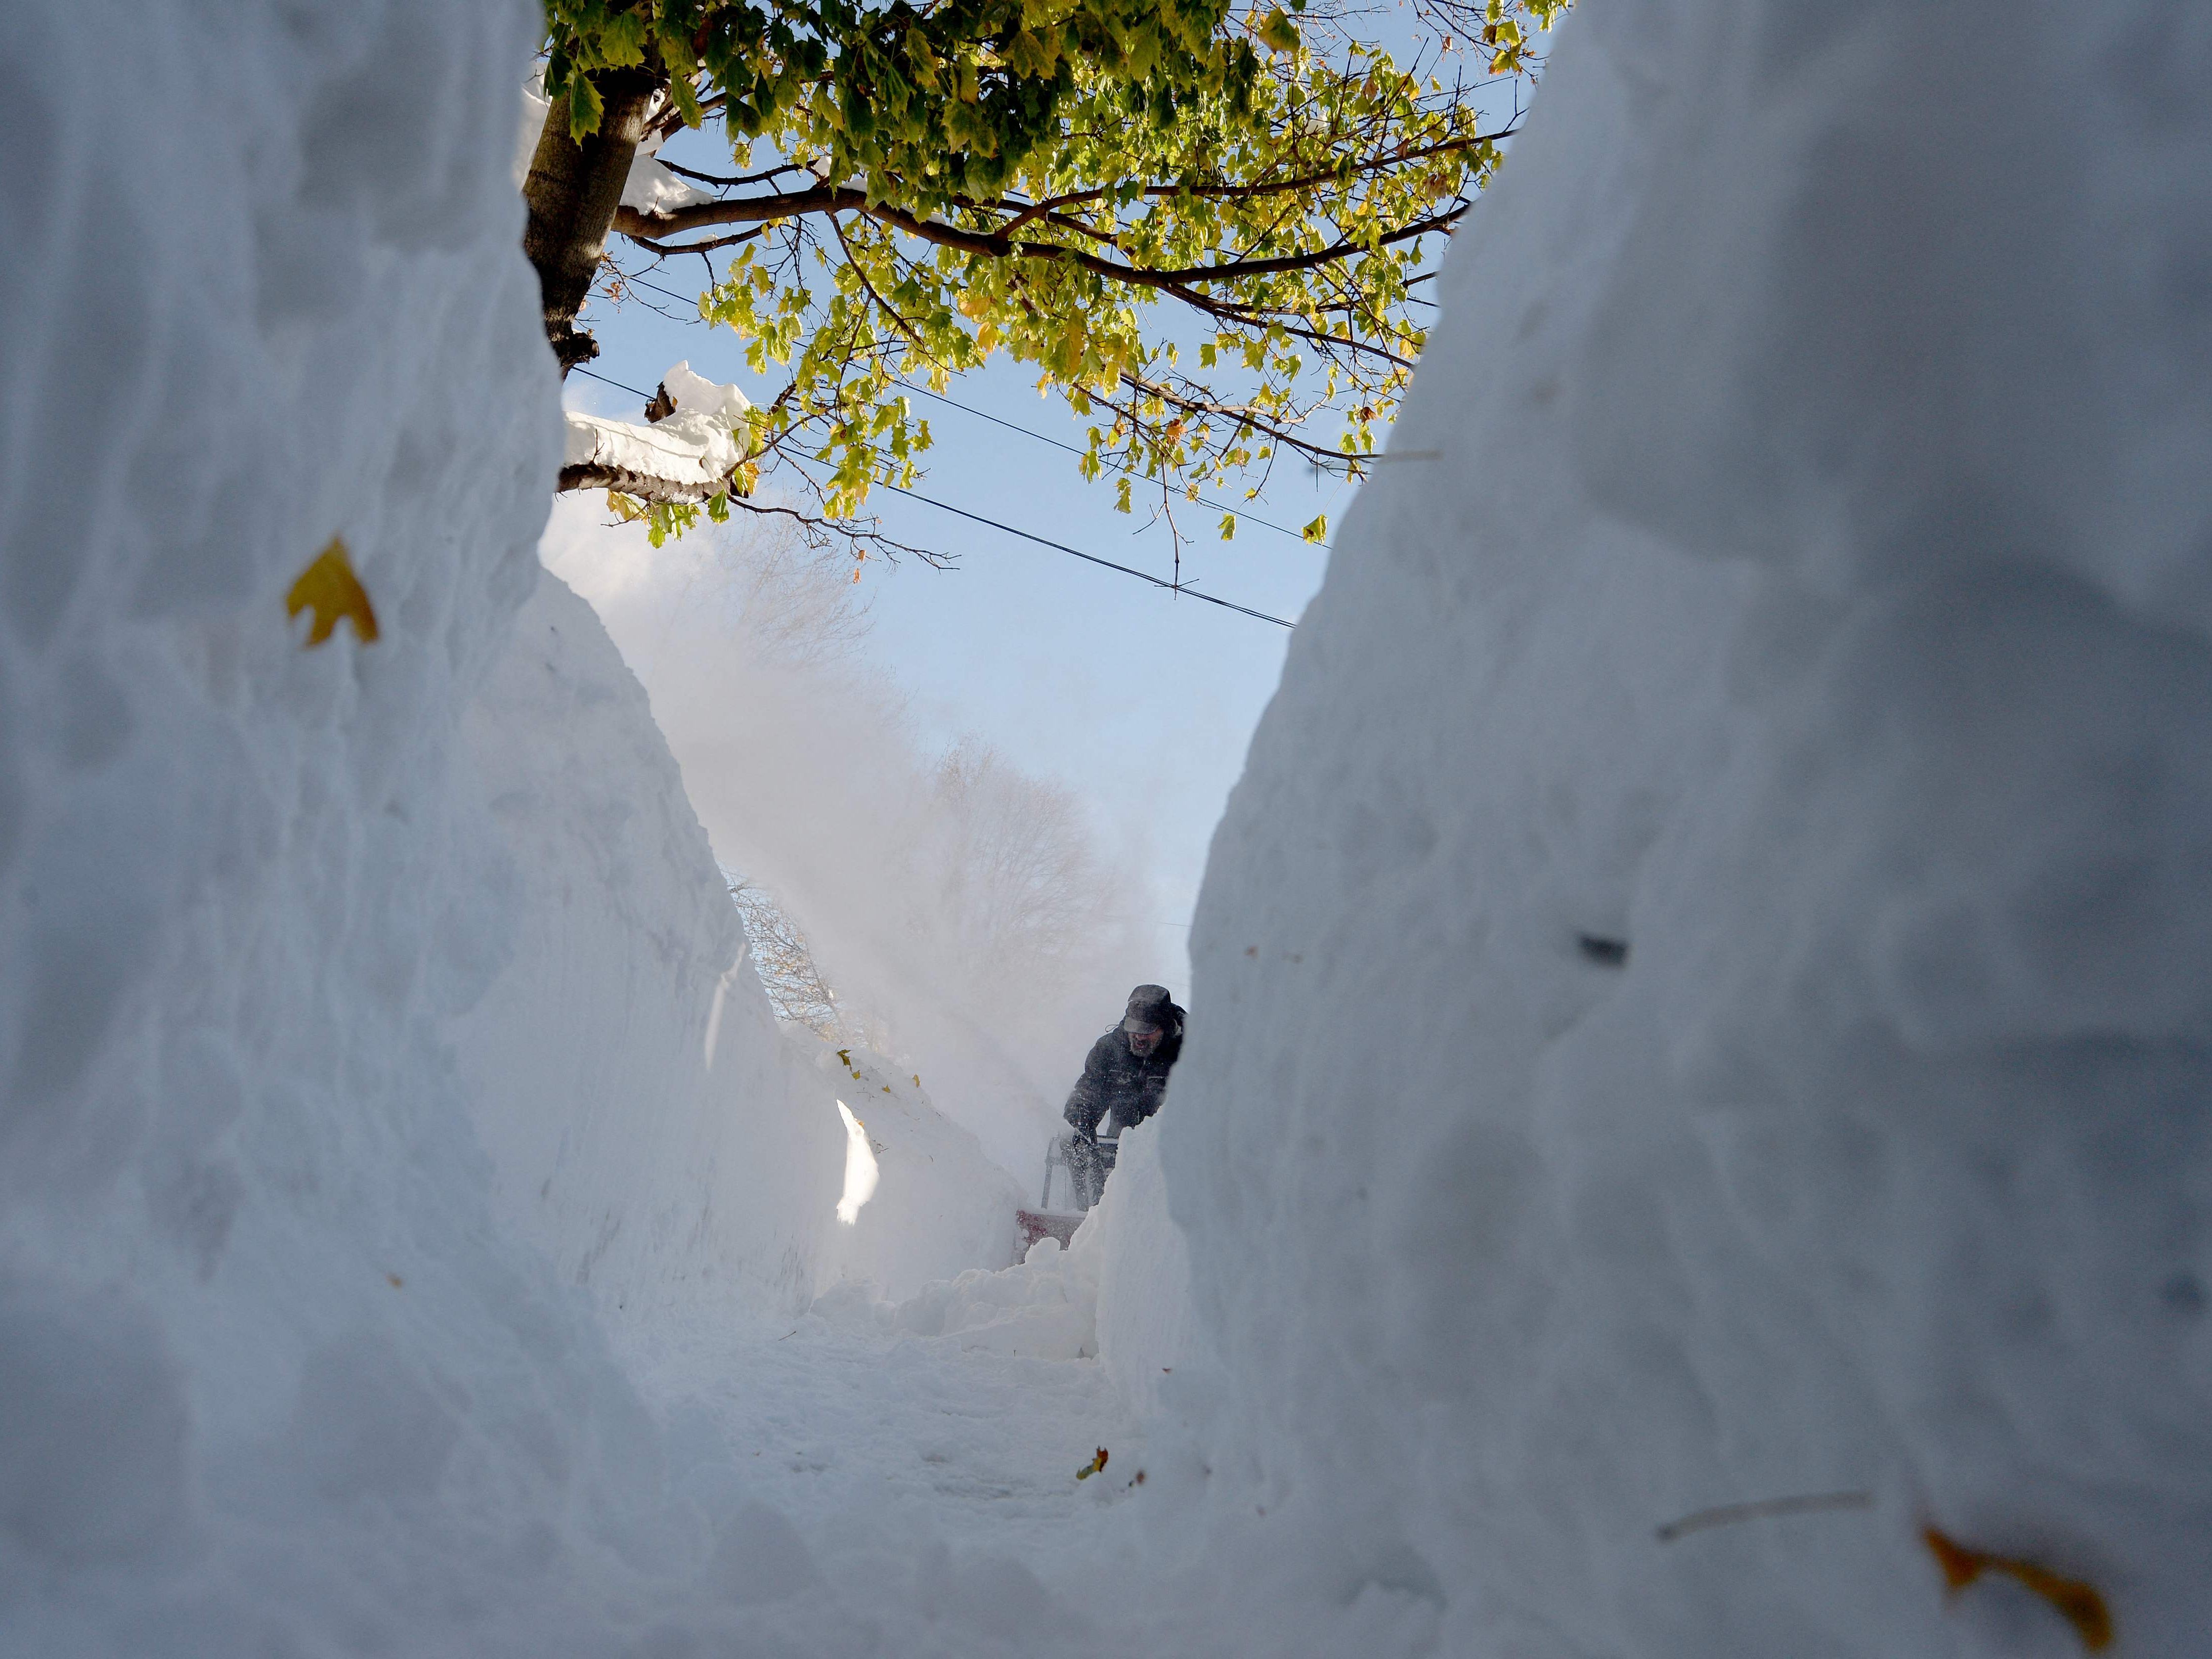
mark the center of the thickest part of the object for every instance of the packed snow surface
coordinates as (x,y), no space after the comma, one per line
(1702,1004)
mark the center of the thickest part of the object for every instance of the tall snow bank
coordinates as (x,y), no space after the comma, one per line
(648,1126)
(1701,994)
(281,1370)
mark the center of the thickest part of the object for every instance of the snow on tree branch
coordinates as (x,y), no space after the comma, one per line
(695,451)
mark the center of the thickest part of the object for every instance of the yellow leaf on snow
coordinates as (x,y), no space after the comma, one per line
(332,591)
(2078,1602)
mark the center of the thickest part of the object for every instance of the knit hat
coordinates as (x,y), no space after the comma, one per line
(1150,1008)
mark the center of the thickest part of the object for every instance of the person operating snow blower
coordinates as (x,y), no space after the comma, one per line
(1124,1080)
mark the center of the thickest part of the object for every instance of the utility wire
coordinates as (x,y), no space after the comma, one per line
(1027,431)
(985,414)
(616,385)
(1182,588)
(639,282)
(1062,547)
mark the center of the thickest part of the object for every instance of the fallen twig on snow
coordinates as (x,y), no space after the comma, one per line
(1727,1515)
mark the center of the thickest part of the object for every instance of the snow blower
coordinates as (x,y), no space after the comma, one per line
(1085,1162)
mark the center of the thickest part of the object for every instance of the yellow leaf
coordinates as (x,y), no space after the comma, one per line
(2078,1603)
(332,591)
(1279,31)
(1093,1466)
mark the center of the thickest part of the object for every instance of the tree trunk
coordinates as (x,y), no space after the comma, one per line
(573,190)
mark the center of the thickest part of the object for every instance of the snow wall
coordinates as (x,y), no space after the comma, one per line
(650,1128)
(374,1036)
(1701,996)
(984,930)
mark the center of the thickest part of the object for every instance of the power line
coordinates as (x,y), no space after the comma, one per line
(616,385)
(639,282)
(985,414)
(1182,588)
(1027,431)
(1062,547)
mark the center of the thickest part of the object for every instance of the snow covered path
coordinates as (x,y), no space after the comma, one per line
(873,1474)
(851,1426)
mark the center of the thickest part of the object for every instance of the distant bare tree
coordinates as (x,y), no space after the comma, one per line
(785,962)
(799,603)
(1022,871)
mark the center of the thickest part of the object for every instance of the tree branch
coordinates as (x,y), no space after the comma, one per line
(665,249)
(644,486)
(1242,417)
(1270,187)
(837,199)
(889,310)
(760,178)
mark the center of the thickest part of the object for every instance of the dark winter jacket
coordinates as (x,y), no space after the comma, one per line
(1114,1081)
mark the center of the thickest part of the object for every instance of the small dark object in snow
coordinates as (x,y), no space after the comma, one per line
(1729,1514)
(1606,952)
